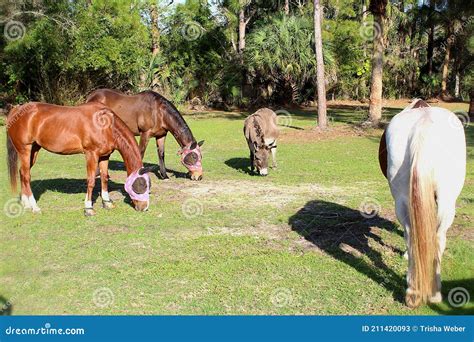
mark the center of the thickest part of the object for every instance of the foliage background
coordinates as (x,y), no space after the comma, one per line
(68,48)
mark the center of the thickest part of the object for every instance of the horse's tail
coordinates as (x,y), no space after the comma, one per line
(12,155)
(423,243)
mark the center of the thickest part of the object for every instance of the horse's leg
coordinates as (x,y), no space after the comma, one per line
(144,138)
(104,179)
(403,215)
(274,157)
(92,161)
(34,154)
(446,213)
(26,157)
(160,146)
(252,157)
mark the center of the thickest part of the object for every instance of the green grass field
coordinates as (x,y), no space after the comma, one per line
(290,243)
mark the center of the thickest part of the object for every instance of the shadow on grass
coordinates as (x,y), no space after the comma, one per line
(6,307)
(344,233)
(240,164)
(458,296)
(120,166)
(74,186)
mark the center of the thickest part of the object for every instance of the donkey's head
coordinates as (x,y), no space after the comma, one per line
(191,158)
(260,158)
(138,186)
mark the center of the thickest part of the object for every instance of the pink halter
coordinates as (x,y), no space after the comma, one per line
(185,151)
(145,197)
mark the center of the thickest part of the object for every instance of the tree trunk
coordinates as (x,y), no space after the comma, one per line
(445,69)
(429,52)
(287,7)
(155,32)
(471,105)
(375,102)
(242,26)
(320,79)
(457,86)
(155,42)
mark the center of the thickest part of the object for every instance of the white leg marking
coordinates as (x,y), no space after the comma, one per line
(33,204)
(105,196)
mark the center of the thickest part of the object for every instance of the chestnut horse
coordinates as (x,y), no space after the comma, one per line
(423,155)
(91,129)
(150,115)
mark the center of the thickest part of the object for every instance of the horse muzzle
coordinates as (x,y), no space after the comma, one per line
(196,175)
(141,205)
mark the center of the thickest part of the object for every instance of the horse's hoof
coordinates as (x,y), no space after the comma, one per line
(89,212)
(412,299)
(437,298)
(108,205)
(36,210)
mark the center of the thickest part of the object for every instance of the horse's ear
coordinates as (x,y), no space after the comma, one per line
(147,169)
(201,142)
(193,146)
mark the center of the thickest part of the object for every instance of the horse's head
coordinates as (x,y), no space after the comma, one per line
(191,158)
(260,158)
(138,186)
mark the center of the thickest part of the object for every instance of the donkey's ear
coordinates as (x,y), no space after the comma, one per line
(193,146)
(255,145)
(147,169)
(201,142)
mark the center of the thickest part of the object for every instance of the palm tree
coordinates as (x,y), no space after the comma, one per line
(281,54)
(321,88)
(378,9)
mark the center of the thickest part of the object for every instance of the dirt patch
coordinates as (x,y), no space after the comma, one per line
(114,229)
(335,132)
(236,193)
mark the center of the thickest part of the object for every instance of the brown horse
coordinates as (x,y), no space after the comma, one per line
(150,115)
(91,129)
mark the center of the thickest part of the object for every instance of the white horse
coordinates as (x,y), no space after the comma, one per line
(423,155)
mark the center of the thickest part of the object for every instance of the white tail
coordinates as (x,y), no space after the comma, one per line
(423,245)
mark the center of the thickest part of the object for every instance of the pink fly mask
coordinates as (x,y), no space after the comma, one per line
(192,162)
(132,178)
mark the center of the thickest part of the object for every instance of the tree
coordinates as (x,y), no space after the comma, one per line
(320,79)
(286,7)
(378,9)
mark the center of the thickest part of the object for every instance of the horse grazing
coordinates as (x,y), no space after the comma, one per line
(261,133)
(150,115)
(91,129)
(423,155)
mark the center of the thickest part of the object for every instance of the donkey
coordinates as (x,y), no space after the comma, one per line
(261,133)
(423,155)
(91,129)
(150,115)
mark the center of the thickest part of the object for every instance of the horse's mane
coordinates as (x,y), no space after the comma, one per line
(258,129)
(126,144)
(173,114)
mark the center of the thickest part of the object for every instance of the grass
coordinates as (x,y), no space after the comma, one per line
(291,243)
